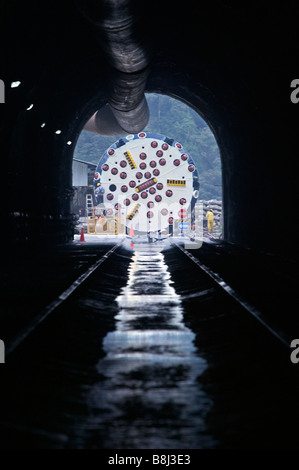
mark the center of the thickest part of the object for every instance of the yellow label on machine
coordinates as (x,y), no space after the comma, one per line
(130,160)
(133,211)
(147,184)
(176,183)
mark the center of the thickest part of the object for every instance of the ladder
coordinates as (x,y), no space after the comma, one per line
(89,205)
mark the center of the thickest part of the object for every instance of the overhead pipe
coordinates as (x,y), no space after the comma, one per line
(117,29)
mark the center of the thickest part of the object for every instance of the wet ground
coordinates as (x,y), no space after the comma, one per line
(149,354)
(151,394)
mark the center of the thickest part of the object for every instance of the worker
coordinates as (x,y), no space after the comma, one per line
(210,217)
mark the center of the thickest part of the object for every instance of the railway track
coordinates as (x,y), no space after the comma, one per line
(52,306)
(148,349)
(236,296)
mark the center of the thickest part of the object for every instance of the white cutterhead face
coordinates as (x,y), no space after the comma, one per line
(149,177)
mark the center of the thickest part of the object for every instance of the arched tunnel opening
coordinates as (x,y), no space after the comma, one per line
(167,117)
(243,216)
(188,347)
(233,100)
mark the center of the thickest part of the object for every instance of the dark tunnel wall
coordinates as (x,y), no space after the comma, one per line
(234,65)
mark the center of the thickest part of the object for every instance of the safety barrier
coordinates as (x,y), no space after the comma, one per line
(105,226)
(91,225)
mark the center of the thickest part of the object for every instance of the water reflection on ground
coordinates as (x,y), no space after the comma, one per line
(150,396)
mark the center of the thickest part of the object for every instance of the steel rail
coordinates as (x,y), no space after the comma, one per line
(236,296)
(58,301)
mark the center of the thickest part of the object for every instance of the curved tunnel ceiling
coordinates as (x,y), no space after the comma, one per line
(228,62)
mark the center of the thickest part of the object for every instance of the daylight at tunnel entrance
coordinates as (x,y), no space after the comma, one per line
(111,195)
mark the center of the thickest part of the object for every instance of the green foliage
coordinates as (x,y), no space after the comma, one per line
(174,119)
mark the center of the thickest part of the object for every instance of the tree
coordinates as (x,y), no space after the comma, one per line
(176,120)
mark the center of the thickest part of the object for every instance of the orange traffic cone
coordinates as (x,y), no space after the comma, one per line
(82,238)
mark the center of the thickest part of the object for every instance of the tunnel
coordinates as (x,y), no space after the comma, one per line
(233,64)
(239,82)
